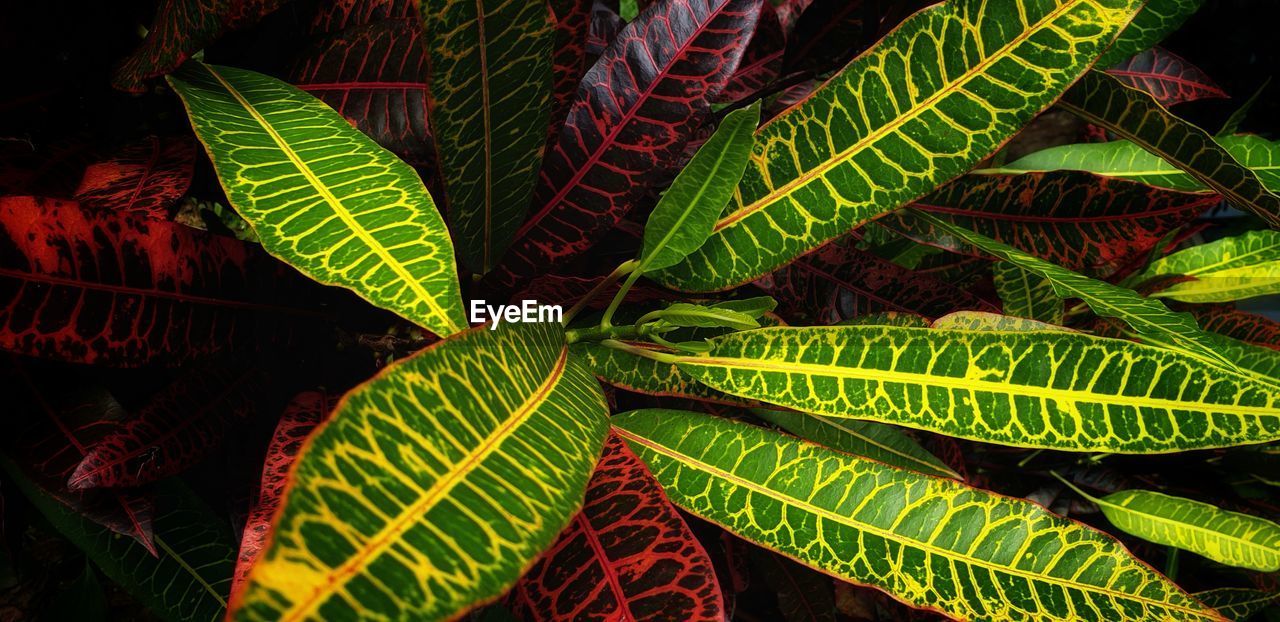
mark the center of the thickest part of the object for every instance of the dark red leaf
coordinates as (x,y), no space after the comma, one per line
(176,429)
(762,60)
(180,28)
(300,417)
(838,282)
(1166,77)
(119,289)
(603,29)
(788,12)
(335,15)
(636,109)
(59,421)
(1250,327)
(572,19)
(145,178)
(626,556)
(1076,220)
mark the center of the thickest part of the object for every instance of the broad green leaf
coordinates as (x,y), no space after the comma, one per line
(1042,389)
(322,196)
(644,375)
(433,486)
(1152,321)
(981,320)
(1027,295)
(1226,537)
(690,315)
(1157,20)
(928,541)
(887,318)
(1233,268)
(490,86)
(755,308)
(868,439)
(189,577)
(682,220)
(934,97)
(1238,603)
(1135,115)
(1122,158)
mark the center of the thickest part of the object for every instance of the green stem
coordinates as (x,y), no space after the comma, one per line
(661,357)
(599,333)
(622,293)
(626,267)
(1074,487)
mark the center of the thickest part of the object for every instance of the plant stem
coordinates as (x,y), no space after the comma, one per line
(598,333)
(661,357)
(622,293)
(625,267)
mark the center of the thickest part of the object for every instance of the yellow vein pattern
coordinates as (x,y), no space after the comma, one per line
(1026,295)
(932,99)
(322,196)
(436,484)
(1046,389)
(930,542)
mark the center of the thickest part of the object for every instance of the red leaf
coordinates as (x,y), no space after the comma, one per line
(71,416)
(572,19)
(1073,219)
(119,289)
(1166,77)
(1241,325)
(789,11)
(626,556)
(636,109)
(838,282)
(762,60)
(145,178)
(300,417)
(335,15)
(180,28)
(177,428)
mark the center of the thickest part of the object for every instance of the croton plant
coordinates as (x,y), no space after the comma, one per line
(669,310)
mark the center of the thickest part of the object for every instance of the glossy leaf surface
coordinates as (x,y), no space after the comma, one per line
(895,124)
(324,197)
(877,441)
(643,375)
(628,555)
(490,100)
(1248,327)
(572,21)
(1236,603)
(1046,389)
(927,541)
(1233,268)
(1027,295)
(1166,76)
(434,485)
(1156,20)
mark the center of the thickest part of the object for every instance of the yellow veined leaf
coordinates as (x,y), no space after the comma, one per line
(1226,537)
(629,371)
(1237,603)
(1234,268)
(981,320)
(1027,295)
(1043,389)
(1156,20)
(322,196)
(934,97)
(931,542)
(434,485)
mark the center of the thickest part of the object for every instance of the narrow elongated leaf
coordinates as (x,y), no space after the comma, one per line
(1078,221)
(490,100)
(1027,295)
(1168,78)
(1134,115)
(683,218)
(322,196)
(1227,269)
(189,576)
(643,375)
(1156,20)
(300,418)
(1153,321)
(1045,389)
(119,289)
(178,428)
(1237,603)
(1229,538)
(1122,158)
(436,484)
(978,320)
(877,441)
(897,122)
(1248,327)
(929,542)
(145,178)
(628,555)
(637,108)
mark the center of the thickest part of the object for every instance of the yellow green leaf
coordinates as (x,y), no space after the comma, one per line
(1027,295)
(1233,268)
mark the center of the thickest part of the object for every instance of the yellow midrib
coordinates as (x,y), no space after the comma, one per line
(192,571)
(733,479)
(1249,544)
(336,205)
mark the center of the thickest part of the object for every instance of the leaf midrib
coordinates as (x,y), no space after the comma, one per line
(1248,544)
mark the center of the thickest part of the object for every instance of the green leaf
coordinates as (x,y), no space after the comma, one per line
(887,318)
(490,87)
(434,485)
(1232,124)
(188,579)
(688,315)
(1152,321)
(1042,389)
(935,96)
(981,320)
(1027,295)
(1157,20)
(1224,270)
(682,220)
(928,541)
(877,441)
(645,375)
(322,196)
(1135,115)
(1122,158)
(755,308)
(1237,603)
